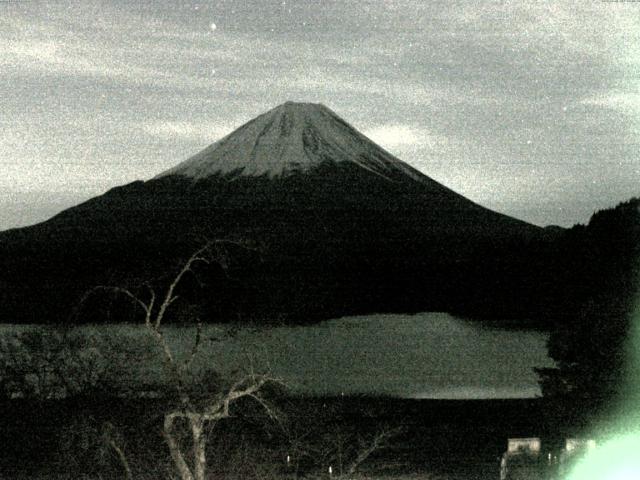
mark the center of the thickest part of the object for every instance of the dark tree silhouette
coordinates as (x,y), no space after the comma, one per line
(591,345)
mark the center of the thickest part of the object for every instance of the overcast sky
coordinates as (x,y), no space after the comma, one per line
(529,108)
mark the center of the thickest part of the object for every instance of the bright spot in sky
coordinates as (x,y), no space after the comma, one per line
(617,459)
(213,27)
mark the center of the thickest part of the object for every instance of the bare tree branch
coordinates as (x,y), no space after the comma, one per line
(107,433)
(378,442)
(174,448)
(169,297)
(196,346)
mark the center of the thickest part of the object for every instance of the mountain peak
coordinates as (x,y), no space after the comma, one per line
(301,105)
(304,108)
(292,137)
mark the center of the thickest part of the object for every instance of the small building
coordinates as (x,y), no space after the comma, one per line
(524,445)
(523,460)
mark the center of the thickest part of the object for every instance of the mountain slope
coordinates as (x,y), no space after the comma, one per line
(343,227)
(293,137)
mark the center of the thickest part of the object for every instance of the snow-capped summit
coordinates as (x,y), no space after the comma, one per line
(292,137)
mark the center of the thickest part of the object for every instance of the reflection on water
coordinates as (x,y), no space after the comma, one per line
(428,355)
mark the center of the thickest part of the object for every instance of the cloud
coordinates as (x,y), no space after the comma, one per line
(395,136)
(117,52)
(188,131)
(626,102)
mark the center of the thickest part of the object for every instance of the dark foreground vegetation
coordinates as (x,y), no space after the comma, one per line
(82,436)
(596,340)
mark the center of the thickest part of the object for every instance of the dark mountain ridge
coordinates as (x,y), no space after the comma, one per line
(343,227)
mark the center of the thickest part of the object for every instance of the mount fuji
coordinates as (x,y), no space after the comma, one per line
(343,227)
(292,138)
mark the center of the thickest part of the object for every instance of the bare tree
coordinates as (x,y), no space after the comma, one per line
(198,411)
(319,437)
(346,451)
(367,446)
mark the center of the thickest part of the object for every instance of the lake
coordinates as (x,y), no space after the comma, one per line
(428,355)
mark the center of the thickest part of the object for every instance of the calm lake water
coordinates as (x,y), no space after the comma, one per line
(428,355)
